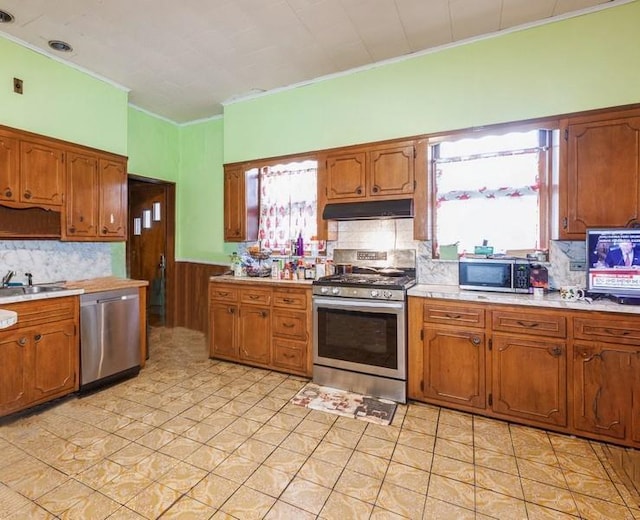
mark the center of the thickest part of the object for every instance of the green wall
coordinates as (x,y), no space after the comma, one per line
(154,146)
(200,197)
(576,64)
(60,101)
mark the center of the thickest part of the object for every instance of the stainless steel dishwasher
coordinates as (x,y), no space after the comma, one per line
(109,337)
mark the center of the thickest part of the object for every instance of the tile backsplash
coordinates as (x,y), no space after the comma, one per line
(398,234)
(52,261)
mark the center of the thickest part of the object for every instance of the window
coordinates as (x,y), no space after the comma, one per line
(288,204)
(491,189)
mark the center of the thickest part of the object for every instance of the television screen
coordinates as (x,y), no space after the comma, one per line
(614,261)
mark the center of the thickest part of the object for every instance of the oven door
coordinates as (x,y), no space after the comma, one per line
(364,336)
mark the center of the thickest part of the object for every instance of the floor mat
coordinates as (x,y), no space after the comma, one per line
(347,404)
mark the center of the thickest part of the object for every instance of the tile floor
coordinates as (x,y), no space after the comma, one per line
(195,438)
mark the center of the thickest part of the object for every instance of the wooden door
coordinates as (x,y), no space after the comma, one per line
(15,371)
(602,389)
(602,179)
(529,379)
(635,398)
(81,209)
(150,250)
(254,334)
(391,172)
(41,174)
(346,176)
(223,335)
(454,366)
(9,169)
(112,180)
(55,359)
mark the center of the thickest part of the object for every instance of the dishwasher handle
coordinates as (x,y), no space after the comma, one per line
(118,298)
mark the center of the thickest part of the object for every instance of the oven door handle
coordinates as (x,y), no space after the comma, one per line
(345,303)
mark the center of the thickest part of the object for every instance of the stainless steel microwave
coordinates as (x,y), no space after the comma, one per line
(494,274)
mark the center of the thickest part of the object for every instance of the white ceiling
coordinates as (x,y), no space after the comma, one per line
(181,60)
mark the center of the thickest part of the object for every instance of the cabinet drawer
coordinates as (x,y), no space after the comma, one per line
(223,292)
(453,314)
(290,355)
(34,312)
(290,299)
(290,324)
(608,330)
(257,296)
(530,323)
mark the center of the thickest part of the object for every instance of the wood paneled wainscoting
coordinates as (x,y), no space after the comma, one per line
(191,303)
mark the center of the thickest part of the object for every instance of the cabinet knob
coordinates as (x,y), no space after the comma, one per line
(27,194)
(476,341)
(72,229)
(359,190)
(8,193)
(264,314)
(38,337)
(556,351)
(104,230)
(375,189)
(22,341)
(231,310)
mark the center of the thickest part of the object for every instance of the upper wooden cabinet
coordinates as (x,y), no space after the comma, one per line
(112,196)
(241,210)
(600,172)
(83,190)
(374,172)
(9,168)
(96,207)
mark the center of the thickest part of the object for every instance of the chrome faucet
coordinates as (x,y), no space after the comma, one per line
(7,278)
(29,279)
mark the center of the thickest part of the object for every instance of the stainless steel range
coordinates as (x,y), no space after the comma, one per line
(360,323)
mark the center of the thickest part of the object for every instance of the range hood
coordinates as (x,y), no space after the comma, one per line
(402,208)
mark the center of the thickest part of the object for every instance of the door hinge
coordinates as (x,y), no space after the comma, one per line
(415,152)
(415,184)
(490,344)
(421,334)
(490,399)
(566,134)
(422,387)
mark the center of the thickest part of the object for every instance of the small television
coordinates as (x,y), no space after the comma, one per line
(613,256)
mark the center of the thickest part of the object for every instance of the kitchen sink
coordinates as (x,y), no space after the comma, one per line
(29,289)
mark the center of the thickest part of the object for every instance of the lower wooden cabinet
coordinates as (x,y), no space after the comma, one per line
(39,356)
(529,379)
(565,370)
(253,323)
(454,366)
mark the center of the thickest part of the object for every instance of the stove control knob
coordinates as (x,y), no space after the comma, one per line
(387,294)
(324,290)
(335,290)
(375,294)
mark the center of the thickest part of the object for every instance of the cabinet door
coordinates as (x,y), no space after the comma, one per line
(112,182)
(254,334)
(391,172)
(346,176)
(602,187)
(15,371)
(635,398)
(529,379)
(454,366)
(9,169)
(55,359)
(223,323)
(81,209)
(603,384)
(41,174)
(234,204)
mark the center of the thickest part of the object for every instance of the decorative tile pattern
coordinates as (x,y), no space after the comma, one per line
(193,438)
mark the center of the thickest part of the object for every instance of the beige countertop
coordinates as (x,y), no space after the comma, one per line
(550,300)
(106,283)
(258,280)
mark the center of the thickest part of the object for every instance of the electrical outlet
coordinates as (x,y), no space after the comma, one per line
(577,266)
(17,85)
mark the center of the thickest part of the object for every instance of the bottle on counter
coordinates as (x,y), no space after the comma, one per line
(300,245)
(236,264)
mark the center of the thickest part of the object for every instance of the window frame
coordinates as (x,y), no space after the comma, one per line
(547,173)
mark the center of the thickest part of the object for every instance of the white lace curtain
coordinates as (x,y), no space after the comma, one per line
(288,204)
